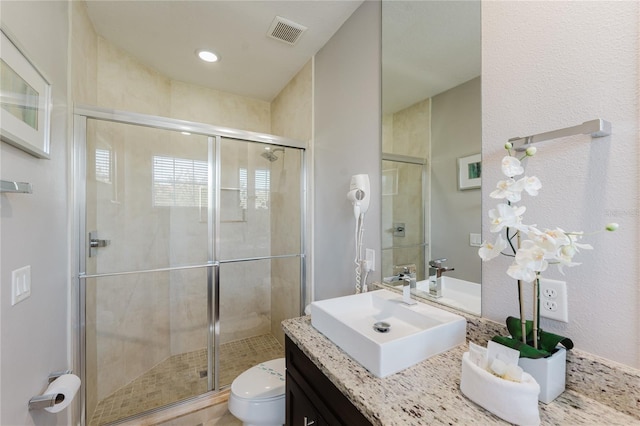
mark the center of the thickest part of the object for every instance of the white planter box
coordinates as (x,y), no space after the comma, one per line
(550,373)
(514,402)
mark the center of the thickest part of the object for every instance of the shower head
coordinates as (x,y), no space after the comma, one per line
(270,155)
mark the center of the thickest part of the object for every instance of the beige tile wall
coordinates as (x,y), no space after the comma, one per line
(204,105)
(84,60)
(290,117)
(412,130)
(291,109)
(126,84)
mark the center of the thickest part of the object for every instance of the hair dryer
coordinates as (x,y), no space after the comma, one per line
(359,194)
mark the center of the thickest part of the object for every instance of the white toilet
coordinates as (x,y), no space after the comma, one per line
(258,395)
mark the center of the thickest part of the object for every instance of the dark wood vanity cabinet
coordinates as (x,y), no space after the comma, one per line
(311,397)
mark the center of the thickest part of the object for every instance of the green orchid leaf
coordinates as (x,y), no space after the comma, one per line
(526,351)
(547,342)
(515,328)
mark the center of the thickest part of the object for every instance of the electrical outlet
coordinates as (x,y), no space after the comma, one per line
(371,259)
(553,300)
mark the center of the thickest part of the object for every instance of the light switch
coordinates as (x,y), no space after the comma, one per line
(475,240)
(20,284)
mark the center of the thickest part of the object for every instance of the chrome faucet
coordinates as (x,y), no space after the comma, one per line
(408,282)
(435,277)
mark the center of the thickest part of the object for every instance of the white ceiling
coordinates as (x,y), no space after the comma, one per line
(165,34)
(428,46)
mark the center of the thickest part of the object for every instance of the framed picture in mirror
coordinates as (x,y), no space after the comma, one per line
(25,101)
(469,172)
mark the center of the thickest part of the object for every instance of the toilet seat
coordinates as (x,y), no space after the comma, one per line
(265,381)
(258,395)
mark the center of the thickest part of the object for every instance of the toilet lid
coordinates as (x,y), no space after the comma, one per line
(264,380)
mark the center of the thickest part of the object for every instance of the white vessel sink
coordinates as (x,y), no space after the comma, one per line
(415,333)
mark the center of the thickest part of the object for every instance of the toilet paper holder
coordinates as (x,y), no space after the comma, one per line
(40,402)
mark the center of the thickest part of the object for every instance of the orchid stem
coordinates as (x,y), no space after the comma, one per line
(510,238)
(523,321)
(536,310)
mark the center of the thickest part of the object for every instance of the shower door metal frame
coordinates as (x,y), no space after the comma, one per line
(214,136)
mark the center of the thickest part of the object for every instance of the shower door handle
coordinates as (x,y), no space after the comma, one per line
(95,242)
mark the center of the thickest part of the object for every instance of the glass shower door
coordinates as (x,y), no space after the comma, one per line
(191,255)
(146,268)
(260,249)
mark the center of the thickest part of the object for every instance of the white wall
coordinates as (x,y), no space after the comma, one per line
(548,65)
(34,333)
(346,142)
(456,131)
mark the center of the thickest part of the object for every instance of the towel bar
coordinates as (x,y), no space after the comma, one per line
(19,187)
(597,128)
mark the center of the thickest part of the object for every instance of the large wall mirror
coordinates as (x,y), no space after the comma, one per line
(431,143)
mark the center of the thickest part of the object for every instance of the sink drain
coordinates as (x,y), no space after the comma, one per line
(382,327)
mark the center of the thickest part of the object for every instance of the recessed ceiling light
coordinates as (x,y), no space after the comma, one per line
(207,55)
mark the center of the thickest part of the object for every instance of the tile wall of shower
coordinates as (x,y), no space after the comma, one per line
(142,319)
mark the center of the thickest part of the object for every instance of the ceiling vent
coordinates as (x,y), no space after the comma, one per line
(285,30)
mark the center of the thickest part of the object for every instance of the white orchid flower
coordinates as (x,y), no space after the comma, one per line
(530,259)
(490,251)
(574,237)
(511,166)
(509,216)
(565,257)
(509,189)
(520,272)
(532,256)
(551,241)
(531,184)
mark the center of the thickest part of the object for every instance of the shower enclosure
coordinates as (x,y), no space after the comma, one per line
(404,196)
(191,253)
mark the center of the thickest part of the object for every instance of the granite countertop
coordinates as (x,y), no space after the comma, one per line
(429,392)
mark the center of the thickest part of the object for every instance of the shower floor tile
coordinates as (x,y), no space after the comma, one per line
(183,376)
